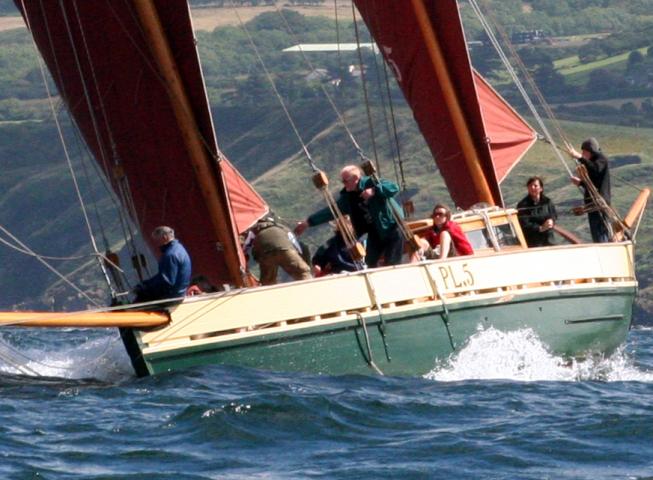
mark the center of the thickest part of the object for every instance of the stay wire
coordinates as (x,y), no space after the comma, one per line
(65,149)
(394,130)
(103,112)
(529,78)
(47,265)
(278,95)
(329,98)
(610,215)
(96,130)
(337,22)
(364,85)
(518,84)
(76,133)
(393,138)
(347,233)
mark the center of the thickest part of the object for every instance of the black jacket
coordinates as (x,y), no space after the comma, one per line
(532,215)
(599,173)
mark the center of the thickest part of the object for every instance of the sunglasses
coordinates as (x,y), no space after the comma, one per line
(439,214)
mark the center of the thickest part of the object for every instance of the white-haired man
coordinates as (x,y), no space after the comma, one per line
(369,204)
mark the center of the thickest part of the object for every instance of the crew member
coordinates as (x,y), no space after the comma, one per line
(369,204)
(273,245)
(537,214)
(173,277)
(446,238)
(599,174)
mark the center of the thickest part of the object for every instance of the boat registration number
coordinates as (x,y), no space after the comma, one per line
(456,276)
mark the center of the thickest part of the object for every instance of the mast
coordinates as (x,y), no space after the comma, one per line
(208,173)
(469,151)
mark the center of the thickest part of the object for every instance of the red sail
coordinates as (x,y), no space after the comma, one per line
(404,31)
(107,77)
(510,136)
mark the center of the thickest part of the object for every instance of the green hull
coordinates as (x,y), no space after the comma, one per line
(571,322)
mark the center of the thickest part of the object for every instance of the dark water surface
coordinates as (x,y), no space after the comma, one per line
(503,408)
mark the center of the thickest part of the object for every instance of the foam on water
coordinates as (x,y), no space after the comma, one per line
(519,355)
(488,355)
(102,358)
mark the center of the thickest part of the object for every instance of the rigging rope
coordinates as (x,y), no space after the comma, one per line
(610,216)
(364,85)
(47,265)
(64,146)
(519,85)
(278,95)
(400,162)
(335,13)
(319,178)
(329,98)
(321,182)
(31,253)
(393,138)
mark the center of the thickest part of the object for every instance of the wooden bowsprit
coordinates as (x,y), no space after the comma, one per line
(90,319)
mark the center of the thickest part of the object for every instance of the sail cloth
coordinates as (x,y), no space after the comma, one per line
(107,76)
(405,32)
(510,135)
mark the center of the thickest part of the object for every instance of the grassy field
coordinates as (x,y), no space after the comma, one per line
(210,18)
(576,72)
(11,23)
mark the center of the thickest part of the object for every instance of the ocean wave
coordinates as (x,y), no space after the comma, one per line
(519,355)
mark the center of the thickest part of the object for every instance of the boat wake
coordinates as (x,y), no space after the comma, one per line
(100,359)
(519,355)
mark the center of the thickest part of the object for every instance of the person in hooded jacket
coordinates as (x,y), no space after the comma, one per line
(598,171)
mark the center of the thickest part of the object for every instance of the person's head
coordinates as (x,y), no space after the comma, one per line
(163,235)
(590,147)
(350,176)
(441,214)
(535,187)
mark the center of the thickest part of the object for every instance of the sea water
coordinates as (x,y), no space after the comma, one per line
(501,408)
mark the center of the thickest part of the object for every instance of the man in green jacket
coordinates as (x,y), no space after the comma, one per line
(369,204)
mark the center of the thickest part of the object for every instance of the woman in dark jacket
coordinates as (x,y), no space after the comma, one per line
(537,215)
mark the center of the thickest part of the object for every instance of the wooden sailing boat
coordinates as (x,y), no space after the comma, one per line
(149,127)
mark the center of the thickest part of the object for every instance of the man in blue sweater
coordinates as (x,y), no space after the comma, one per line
(174,269)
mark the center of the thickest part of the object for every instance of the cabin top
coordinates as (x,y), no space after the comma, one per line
(487,229)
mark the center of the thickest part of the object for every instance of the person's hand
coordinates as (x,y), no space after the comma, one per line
(547,225)
(575,180)
(573,153)
(367,193)
(301,227)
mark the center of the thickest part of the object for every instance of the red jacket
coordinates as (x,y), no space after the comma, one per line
(460,243)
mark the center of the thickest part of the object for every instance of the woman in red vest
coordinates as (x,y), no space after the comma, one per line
(447,235)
